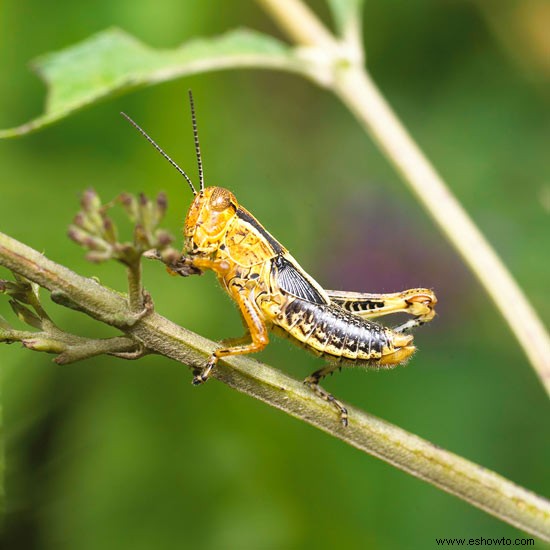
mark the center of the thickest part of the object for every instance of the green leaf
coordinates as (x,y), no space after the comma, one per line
(113,62)
(345,12)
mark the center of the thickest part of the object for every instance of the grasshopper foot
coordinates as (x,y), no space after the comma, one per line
(312,382)
(202,375)
(184,268)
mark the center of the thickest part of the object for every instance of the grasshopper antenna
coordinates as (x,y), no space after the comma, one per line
(158,148)
(196,137)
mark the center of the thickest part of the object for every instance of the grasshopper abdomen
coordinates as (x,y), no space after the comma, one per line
(340,336)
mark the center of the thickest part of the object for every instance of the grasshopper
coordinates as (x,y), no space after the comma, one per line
(273,292)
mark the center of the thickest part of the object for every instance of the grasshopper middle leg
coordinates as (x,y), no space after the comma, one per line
(254,340)
(313,382)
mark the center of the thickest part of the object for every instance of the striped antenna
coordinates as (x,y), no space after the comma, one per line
(196,137)
(157,147)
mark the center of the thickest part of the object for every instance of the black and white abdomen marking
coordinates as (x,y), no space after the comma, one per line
(329,330)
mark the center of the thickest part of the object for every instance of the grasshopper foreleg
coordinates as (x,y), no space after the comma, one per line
(313,382)
(176,264)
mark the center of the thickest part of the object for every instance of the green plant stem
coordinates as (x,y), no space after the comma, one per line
(299,22)
(135,289)
(356,89)
(70,347)
(472,483)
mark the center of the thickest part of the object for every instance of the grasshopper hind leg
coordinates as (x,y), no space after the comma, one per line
(418,302)
(422,306)
(313,382)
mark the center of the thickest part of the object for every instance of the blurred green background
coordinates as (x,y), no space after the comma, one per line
(113,454)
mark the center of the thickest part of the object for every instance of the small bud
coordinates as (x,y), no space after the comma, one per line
(129,202)
(162,205)
(79,220)
(125,199)
(86,240)
(95,243)
(146,213)
(76,234)
(109,229)
(170,256)
(37,343)
(90,200)
(163,238)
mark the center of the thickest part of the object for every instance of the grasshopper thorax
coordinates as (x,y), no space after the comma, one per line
(208,219)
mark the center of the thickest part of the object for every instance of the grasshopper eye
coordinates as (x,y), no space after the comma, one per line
(221,199)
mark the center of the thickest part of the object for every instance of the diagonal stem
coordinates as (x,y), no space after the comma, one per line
(299,22)
(454,474)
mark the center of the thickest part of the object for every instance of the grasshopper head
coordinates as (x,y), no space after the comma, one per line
(208,219)
(213,208)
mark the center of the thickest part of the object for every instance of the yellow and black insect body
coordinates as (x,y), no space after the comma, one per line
(273,292)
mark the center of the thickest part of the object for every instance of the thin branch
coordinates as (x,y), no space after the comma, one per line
(480,487)
(70,347)
(354,86)
(135,290)
(299,22)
